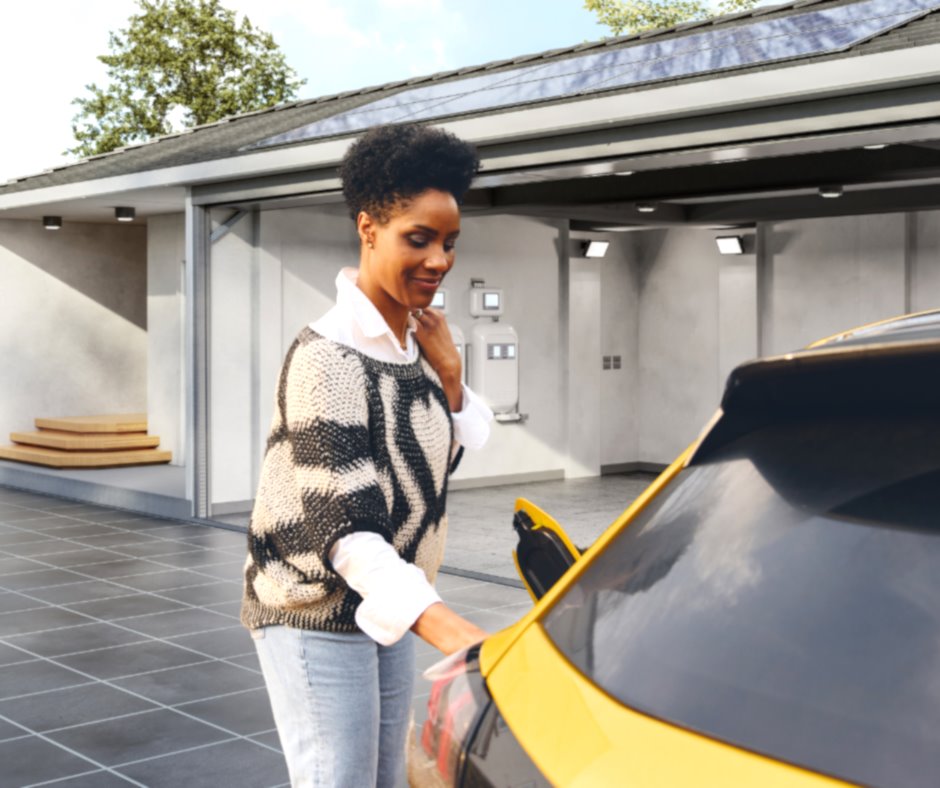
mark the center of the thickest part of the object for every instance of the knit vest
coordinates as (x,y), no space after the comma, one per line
(356,444)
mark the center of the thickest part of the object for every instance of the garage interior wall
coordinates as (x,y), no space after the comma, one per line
(680,315)
(73,328)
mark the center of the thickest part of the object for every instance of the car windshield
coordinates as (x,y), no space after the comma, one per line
(783,596)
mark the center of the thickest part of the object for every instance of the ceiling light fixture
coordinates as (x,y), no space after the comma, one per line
(876,146)
(52,222)
(594,248)
(125,214)
(730,244)
(646,207)
(830,192)
(625,173)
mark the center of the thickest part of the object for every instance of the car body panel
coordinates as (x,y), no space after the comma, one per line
(577,735)
(496,646)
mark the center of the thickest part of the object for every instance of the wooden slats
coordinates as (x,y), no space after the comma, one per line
(78,441)
(123,422)
(105,441)
(56,458)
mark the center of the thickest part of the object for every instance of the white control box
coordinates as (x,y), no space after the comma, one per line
(486,302)
(494,365)
(441,300)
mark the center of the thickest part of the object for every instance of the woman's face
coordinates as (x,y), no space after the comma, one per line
(410,253)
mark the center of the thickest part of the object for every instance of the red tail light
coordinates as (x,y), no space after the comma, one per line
(457,695)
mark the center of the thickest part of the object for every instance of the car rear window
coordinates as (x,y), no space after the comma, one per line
(783,596)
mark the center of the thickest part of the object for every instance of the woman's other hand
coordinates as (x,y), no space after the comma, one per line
(445,630)
(438,347)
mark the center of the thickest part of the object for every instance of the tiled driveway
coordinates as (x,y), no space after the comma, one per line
(121,657)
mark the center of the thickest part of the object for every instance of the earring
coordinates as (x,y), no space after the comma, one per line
(370,243)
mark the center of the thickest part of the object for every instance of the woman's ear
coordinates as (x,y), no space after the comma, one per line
(365,225)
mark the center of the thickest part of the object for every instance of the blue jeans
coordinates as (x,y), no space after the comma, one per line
(341,703)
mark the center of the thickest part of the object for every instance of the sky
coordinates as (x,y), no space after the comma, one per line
(49,49)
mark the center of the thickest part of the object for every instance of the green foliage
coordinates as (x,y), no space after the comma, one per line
(635,16)
(187,60)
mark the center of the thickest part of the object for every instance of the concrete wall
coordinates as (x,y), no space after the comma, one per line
(679,327)
(924,235)
(822,276)
(165,332)
(74,321)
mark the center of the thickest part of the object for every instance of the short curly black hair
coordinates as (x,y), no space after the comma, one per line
(389,165)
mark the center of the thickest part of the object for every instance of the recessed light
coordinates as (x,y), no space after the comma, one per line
(52,222)
(625,173)
(646,207)
(730,244)
(124,214)
(595,248)
(830,192)
(876,146)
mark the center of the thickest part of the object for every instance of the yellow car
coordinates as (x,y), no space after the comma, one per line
(767,613)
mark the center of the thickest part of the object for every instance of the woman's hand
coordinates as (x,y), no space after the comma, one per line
(438,347)
(445,630)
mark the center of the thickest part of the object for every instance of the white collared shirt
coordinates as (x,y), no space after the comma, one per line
(394,593)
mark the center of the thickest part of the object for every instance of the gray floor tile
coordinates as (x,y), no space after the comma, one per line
(231,571)
(156,547)
(212,593)
(81,559)
(245,713)
(38,550)
(40,521)
(181,558)
(122,569)
(9,655)
(236,764)
(24,622)
(156,579)
(230,642)
(95,779)
(247,661)
(270,739)
(77,528)
(34,760)
(15,536)
(125,606)
(83,591)
(152,734)
(35,676)
(232,609)
(73,706)
(177,622)
(114,538)
(54,643)
(10,731)
(193,682)
(117,661)
(11,565)
(11,602)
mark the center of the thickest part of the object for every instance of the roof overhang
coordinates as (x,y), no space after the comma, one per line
(845,94)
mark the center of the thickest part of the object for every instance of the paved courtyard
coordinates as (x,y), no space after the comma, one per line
(122,661)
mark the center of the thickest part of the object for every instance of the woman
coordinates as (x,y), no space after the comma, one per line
(348,527)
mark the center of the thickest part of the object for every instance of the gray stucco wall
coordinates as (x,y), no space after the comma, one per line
(73,328)
(165,335)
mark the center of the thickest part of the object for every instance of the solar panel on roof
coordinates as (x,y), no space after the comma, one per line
(800,35)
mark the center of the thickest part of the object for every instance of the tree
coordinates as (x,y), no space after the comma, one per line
(187,61)
(635,16)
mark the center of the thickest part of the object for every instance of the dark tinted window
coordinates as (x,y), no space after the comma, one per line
(784,597)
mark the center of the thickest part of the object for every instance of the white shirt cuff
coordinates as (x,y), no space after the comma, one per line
(394,593)
(472,422)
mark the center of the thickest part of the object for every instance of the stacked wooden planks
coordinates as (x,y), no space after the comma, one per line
(106,441)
